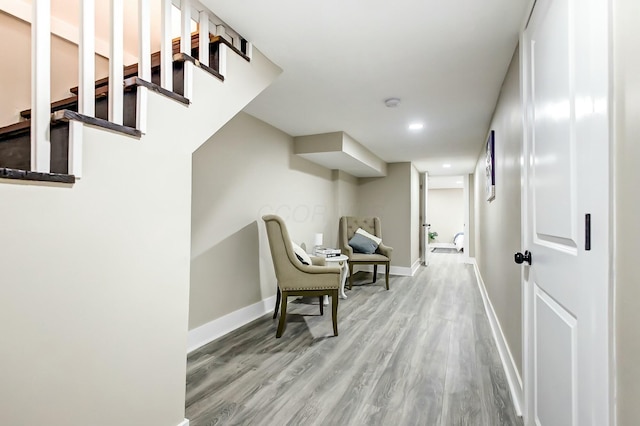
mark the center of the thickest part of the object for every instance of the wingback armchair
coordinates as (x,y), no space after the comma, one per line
(297,279)
(382,256)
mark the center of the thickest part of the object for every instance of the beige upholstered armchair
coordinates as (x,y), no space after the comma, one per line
(382,256)
(297,279)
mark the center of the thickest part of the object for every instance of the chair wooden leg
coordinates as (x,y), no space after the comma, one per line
(321,300)
(283,315)
(386,273)
(334,311)
(375,273)
(275,311)
(350,275)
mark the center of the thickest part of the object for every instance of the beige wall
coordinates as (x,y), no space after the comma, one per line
(390,198)
(243,172)
(498,223)
(446,213)
(15,81)
(95,277)
(626,77)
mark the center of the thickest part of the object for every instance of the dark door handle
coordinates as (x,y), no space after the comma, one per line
(526,257)
(426,224)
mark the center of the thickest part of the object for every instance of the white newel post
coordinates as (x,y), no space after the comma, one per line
(144,62)
(40,86)
(116,63)
(166,49)
(203,42)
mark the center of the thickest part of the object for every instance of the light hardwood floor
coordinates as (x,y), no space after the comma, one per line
(419,354)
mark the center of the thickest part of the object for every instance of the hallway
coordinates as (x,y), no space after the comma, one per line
(419,354)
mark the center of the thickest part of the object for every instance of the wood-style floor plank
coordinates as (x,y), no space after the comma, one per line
(419,354)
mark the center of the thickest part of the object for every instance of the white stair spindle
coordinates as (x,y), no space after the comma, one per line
(166,48)
(116,63)
(40,86)
(185,27)
(144,39)
(203,42)
(86,86)
(144,62)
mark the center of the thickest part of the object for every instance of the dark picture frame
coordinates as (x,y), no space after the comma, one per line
(490,167)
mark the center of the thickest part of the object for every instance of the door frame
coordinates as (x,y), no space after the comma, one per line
(424,231)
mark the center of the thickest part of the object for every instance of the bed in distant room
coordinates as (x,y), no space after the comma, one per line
(458,240)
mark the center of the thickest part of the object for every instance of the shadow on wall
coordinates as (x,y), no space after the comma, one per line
(226,277)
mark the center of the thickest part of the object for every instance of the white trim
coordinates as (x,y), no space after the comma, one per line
(76,135)
(442,245)
(222,59)
(466,191)
(415,266)
(60,28)
(511,371)
(185,422)
(395,270)
(188,80)
(210,331)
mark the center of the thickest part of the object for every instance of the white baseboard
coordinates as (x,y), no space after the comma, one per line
(441,245)
(513,377)
(210,331)
(394,270)
(415,266)
(185,422)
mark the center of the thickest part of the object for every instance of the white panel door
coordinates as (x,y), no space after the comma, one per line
(566,154)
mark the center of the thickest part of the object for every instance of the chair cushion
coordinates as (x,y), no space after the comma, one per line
(361,257)
(302,255)
(362,244)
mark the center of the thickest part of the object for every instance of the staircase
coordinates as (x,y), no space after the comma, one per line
(67,122)
(96,267)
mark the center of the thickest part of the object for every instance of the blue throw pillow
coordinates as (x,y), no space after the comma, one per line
(362,244)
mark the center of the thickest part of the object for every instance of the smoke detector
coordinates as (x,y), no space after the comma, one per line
(392,102)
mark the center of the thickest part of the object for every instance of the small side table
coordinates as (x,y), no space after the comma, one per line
(342,260)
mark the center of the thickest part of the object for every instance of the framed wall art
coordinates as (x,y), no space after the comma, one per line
(490,167)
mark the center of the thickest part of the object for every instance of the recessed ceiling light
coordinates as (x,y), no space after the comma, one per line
(416,126)
(446,166)
(459,182)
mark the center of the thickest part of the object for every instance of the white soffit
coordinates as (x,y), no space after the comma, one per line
(339,151)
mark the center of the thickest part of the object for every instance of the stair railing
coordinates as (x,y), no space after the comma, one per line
(208,23)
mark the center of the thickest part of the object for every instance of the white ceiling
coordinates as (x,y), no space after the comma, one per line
(446,60)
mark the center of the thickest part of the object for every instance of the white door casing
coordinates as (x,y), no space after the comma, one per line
(424,230)
(567,335)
